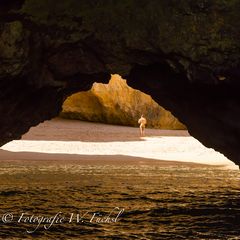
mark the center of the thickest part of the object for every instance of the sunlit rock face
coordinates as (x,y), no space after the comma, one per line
(117,103)
(186,56)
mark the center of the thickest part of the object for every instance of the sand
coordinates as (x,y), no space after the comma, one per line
(61,140)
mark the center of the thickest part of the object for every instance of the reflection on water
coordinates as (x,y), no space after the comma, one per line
(159,202)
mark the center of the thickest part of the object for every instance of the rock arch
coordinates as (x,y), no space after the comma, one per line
(189,52)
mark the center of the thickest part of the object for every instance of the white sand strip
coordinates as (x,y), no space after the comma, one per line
(184,149)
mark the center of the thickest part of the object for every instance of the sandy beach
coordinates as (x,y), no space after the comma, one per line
(84,142)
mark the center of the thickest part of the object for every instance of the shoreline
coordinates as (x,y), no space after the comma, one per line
(33,158)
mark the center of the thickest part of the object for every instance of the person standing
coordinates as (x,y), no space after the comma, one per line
(142,121)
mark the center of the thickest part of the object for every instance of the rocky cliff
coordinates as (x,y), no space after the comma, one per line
(184,54)
(117,103)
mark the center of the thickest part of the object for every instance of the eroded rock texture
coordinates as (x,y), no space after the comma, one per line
(117,103)
(185,54)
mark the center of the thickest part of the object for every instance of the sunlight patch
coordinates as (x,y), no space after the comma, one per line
(183,149)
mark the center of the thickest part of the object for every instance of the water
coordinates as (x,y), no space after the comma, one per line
(153,201)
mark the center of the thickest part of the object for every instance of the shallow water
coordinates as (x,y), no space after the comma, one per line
(157,202)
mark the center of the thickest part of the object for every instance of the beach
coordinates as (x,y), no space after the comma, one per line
(85,141)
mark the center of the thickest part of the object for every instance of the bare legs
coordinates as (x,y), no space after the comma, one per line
(142,131)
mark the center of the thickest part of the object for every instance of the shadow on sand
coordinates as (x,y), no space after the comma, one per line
(73,130)
(35,158)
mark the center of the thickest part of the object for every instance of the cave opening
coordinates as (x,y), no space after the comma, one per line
(85,127)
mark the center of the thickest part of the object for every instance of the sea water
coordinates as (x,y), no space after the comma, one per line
(118,201)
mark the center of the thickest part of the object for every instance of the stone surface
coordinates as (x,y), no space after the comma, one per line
(186,56)
(117,103)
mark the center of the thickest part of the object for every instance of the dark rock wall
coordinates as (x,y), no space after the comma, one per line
(185,54)
(210,112)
